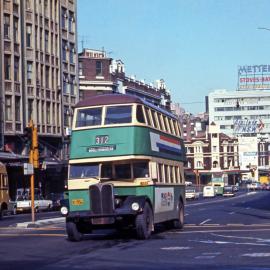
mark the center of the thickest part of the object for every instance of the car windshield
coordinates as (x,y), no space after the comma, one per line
(189,190)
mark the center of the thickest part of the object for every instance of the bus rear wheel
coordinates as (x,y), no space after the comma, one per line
(179,222)
(72,232)
(144,223)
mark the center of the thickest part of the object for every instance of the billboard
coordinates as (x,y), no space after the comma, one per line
(254,77)
(247,126)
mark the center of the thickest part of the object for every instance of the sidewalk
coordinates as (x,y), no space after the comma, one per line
(41,223)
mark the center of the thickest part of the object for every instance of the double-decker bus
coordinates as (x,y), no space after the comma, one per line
(125,168)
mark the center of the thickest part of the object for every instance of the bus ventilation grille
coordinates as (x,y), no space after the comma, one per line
(102,199)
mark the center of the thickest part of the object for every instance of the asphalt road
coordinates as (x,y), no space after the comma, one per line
(221,233)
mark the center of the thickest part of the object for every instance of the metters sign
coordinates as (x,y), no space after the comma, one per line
(254,77)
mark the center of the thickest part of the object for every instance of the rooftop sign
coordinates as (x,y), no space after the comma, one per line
(254,77)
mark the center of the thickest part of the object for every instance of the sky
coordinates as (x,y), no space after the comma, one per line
(196,46)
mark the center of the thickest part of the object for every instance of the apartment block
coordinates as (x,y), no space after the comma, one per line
(38,74)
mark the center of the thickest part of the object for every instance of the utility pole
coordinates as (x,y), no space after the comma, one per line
(32,134)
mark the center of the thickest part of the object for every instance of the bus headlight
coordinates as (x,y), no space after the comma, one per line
(135,206)
(64,210)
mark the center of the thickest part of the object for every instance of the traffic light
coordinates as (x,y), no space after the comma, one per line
(28,134)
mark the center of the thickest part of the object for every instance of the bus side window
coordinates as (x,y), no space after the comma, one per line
(168,129)
(166,172)
(147,113)
(161,123)
(160,173)
(172,175)
(154,119)
(172,126)
(140,114)
(176,127)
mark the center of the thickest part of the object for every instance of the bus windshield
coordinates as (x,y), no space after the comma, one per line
(83,170)
(89,117)
(110,170)
(118,115)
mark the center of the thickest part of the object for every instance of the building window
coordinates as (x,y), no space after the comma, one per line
(28,35)
(48,113)
(66,116)
(7,64)
(29,72)
(70,22)
(46,7)
(71,54)
(72,88)
(15,29)
(6,26)
(64,51)
(16,69)
(17,109)
(98,68)
(28,4)
(63,18)
(30,109)
(80,68)
(214,148)
(47,77)
(41,39)
(8,111)
(46,41)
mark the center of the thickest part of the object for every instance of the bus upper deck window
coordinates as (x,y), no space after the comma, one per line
(118,115)
(89,117)
(139,114)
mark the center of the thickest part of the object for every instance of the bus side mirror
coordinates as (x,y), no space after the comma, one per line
(153,168)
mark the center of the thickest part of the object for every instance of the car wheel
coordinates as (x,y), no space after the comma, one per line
(72,232)
(1,214)
(179,222)
(144,223)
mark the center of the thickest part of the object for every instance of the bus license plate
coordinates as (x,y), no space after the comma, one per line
(77,202)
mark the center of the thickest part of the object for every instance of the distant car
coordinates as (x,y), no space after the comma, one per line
(23,204)
(254,186)
(188,183)
(191,193)
(228,191)
(209,191)
(265,187)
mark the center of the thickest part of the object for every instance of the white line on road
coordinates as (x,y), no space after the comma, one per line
(231,213)
(175,248)
(205,221)
(258,255)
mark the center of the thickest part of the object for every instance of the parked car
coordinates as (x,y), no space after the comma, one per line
(23,202)
(209,191)
(254,186)
(191,193)
(228,191)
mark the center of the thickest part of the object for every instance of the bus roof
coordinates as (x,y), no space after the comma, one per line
(110,99)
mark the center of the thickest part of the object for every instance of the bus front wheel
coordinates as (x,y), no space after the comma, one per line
(144,223)
(72,232)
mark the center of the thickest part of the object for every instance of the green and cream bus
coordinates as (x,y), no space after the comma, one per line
(125,168)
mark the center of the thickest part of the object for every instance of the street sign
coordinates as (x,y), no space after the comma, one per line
(28,169)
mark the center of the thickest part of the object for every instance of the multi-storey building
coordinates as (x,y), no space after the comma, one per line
(38,77)
(246,115)
(100,74)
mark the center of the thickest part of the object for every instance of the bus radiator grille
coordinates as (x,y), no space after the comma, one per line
(102,199)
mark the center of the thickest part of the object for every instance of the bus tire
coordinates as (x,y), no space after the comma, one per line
(144,223)
(179,222)
(72,232)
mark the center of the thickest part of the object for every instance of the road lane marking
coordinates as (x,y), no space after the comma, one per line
(175,248)
(228,243)
(243,237)
(231,213)
(256,255)
(29,234)
(205,221)
(186,215)
(204,257)
(220,230)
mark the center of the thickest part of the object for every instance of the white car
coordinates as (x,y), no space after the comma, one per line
(209,191)
(191,193)
(254,186)
(23,204)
